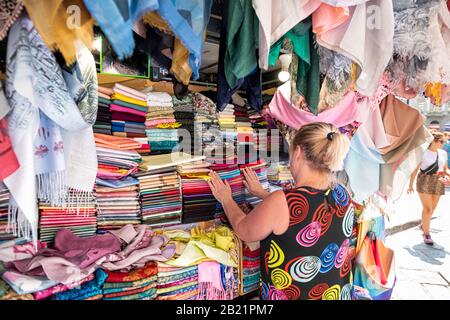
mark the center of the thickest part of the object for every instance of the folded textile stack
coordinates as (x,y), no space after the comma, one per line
(117,157)
(222,278)
(82,222)
(199,203)
(103,121)
(245,138)
(117,203)
(128,109)
(5,233)
(160,196)
(260,168)
(256,119)
(161,126)
(184,114)
(177,283)
(207,128)
(227,119)
(233,176)
(138,284)
(250,272)
(279,176)
(90,290)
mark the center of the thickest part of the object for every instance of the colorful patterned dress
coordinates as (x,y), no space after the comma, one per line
(313,258)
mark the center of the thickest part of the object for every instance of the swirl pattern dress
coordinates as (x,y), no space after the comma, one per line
(313,258)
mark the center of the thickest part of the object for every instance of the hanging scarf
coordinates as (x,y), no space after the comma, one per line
(53,20)
(36,91)
(188,19)
(116,19)
(9,12)
(8,158)
(210,282)
(180,56)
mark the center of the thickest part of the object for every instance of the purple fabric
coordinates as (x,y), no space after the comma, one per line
(126,117)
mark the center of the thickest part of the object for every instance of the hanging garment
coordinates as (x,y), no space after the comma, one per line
(276,18)
(400,122)
(238,39)
(305,77)
(9,12)
(346,112)
(375,269)
(37,90)
(395,176)
(7,156)
(210,285)
(188,19)
(116,19)
(61,24)
(327,17)
(180,56)
(413,42)
(366,38)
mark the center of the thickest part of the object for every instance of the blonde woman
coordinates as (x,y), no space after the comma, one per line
(305,231)
(430,184)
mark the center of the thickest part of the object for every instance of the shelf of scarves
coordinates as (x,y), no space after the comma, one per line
(105,80)
(249,268)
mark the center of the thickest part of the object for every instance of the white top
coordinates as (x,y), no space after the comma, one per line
(429,158)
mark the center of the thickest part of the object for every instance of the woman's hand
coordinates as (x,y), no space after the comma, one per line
(445,180)
(253,185)
(220,189)
(410,190)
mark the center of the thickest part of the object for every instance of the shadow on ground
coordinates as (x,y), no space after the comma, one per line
(430,254)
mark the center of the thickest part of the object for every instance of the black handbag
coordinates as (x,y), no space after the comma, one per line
(433,169)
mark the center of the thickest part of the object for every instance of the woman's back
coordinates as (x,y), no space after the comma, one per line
(312,259)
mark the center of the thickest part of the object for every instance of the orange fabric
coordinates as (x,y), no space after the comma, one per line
(116,143)
(327,17)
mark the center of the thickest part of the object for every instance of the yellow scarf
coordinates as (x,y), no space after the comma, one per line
(180,55)
(121,97)
(57,24)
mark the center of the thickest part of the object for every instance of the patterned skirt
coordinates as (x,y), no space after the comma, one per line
(430,184)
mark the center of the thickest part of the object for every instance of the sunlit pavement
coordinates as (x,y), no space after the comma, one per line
(423,272)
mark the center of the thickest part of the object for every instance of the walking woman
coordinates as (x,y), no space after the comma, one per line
(430,185)
(304,232)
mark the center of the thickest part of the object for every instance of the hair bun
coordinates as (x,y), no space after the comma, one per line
(330,135)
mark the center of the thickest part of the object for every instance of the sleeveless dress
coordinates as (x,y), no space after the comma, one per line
(312,259)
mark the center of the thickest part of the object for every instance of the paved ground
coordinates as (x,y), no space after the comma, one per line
(423,272)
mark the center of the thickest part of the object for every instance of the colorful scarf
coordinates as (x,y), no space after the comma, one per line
(58,28)
(9,13)
(36,90)
(149,270)
(89,289)
(116,19)
(210,282)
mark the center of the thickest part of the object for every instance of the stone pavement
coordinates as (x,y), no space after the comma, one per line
(423,272)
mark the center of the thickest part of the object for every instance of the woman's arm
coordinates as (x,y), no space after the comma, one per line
(266,218)
(411,180)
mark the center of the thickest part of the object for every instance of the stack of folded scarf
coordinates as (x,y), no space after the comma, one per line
(247,151)
(177,283)
(184,114)
(138,284)
(117,157)
(279,176)
(117,203)
(256,119)
(161,126)
(128,108)
(160,195)
(199,203)
(207,128)
(103,121)
(5,233)
(260,168)
(90,290)
(232,174)
(82,222)
(227,119)
(250,273)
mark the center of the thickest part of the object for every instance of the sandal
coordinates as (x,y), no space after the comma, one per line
(427,240)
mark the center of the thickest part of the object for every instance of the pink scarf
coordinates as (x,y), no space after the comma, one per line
(210,282)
